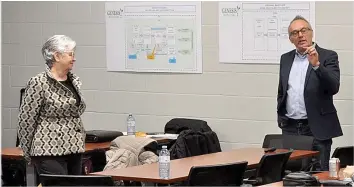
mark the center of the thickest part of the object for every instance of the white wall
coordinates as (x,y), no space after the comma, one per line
(237,100)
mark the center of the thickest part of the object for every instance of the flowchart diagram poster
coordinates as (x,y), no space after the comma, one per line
(257,32)
(154,37)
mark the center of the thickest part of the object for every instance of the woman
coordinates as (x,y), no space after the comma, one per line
(51,132)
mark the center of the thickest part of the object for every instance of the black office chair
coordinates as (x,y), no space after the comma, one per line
(271,169)
(345,155)
(75,180)
(22,92)
(281,141)
(98,158)
(217,175)
(273,140)
(295,142)
(177,125)
(13,170)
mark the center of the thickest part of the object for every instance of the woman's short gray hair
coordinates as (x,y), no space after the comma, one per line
(56,43)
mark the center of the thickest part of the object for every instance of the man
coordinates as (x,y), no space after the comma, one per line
(308,78)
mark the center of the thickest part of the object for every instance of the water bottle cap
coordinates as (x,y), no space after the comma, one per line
(164,147)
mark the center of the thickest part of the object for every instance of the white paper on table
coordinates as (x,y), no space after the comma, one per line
(167,136)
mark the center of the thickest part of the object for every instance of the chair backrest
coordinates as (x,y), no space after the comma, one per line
(75,180)
(281,141)
(273,140)
(177,125)
(345,155)
(271,167)
(217,175)
(22,92)
(297,142)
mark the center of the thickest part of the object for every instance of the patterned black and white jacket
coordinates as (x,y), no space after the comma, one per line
(49,119)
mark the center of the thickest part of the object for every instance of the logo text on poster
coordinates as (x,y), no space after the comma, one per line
(115,13)
(234,11)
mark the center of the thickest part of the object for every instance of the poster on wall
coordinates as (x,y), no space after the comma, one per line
(257,32)
(154,37)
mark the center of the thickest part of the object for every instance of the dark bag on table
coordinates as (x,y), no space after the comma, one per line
(300,179)
(96,136)
(336,183)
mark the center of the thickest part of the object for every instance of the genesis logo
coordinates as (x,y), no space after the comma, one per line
(115,13)
(230,11)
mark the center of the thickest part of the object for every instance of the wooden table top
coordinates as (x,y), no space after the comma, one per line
(180,167)
(16,152)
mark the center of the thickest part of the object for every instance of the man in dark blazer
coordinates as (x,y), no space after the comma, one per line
(308,78)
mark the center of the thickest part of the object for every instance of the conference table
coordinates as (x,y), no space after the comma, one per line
(15,153)
(180,167)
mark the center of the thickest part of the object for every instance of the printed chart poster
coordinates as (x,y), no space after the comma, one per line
(257,32)
(154,37)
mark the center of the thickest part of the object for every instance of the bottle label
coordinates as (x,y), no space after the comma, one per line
(164,159)
(131,123)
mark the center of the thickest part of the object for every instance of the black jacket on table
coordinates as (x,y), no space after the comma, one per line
(320,86)
(194,143)
(177,125)
(49,117)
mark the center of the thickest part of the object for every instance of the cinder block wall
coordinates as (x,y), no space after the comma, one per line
(237,100)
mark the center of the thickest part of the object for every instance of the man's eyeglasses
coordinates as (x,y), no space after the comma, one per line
(304,30)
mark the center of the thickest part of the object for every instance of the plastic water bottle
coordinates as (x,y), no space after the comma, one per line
(164,163)
(130,125)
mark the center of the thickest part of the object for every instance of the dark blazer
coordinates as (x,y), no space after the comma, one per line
(320,86)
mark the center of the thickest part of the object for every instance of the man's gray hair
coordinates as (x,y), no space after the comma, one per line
(56,43)
(298,17)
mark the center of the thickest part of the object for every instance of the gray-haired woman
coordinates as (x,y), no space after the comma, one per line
(50,130)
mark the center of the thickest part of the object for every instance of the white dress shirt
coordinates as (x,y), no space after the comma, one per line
(295,104)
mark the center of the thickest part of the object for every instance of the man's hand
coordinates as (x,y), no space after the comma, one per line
(312,55)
